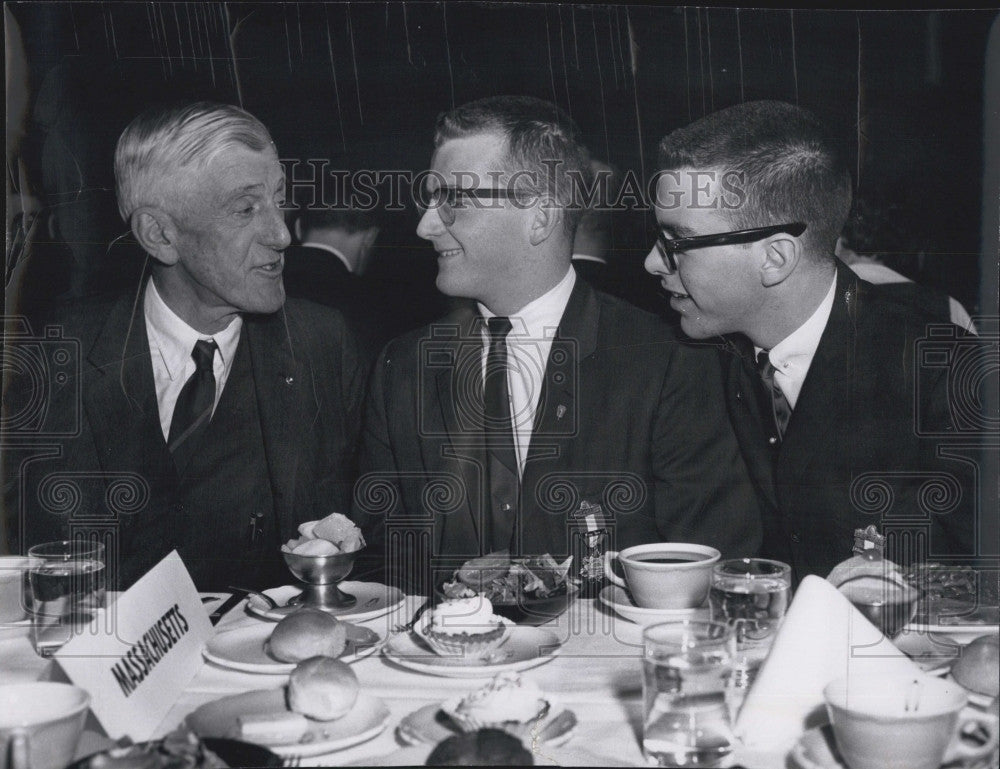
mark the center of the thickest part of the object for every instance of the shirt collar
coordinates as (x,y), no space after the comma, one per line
(589,258)
(799,347)
(173,339)
(326,247)
(540,317)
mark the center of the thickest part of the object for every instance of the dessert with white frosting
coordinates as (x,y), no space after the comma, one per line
(508,702)
(463,627)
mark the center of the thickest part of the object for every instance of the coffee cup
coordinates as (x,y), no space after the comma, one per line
(40,724)
(14,592)
(904,722)
(664,575)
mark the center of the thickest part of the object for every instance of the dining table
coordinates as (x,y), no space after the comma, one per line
(594,670)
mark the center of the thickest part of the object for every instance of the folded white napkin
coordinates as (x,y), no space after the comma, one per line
(822,638)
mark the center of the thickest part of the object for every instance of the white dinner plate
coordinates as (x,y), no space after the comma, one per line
(543,756)
(430,724)
(367,719)
(932,653)
(245,648)
(374,600)
(526,647)
(961,633)
(618,600)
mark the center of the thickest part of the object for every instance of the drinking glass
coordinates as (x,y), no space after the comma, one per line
(68,587)
(751,595)
(687,693)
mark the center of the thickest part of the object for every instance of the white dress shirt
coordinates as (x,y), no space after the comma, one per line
(171,341)
(793,355)
(335,251)
(529,341)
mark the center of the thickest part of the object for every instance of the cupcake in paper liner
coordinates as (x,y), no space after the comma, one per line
(463,627)
(508,702)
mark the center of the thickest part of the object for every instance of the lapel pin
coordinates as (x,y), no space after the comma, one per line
(560,411)
(289,380)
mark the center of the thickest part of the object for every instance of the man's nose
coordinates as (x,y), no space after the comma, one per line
(654,262)
(277,235)
(430,224)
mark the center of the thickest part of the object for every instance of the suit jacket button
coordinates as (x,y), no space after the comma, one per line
(739,396)
(505,507)
(796,538)
(772,440)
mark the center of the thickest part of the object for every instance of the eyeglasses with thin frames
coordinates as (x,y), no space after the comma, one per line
(447,198)
(669,247)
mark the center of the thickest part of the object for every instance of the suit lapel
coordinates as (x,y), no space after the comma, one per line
(459,405)
(122,392)
(825,396)
(283,388)
(744,403)
(575,341)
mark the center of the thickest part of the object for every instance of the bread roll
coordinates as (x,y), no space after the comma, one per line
(322,688)
(307,633)
(978,668)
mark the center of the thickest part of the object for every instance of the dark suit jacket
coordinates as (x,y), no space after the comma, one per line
(628,418)
(104,438)
(868,441)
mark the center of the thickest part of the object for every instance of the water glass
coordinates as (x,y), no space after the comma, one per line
(751,595)
(687,693)
(68,587)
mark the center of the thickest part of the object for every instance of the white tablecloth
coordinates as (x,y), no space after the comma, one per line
(597,674)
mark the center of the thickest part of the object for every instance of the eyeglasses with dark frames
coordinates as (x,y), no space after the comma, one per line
(447,198)
(668,247)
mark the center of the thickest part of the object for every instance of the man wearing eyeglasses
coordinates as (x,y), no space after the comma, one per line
(839,427)
(548,417)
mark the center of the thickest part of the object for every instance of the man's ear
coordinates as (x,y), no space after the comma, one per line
(154,229)
(369,237)
(781,256)
(548,215)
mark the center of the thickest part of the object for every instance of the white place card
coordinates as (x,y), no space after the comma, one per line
(146,649)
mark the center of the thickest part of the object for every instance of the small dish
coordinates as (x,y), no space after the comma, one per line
(374,600)
(430,724)
(932,653)
(366,720)
(618,600)
(245,648)
(233,752)
(525,647)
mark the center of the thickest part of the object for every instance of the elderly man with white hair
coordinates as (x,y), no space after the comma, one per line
(210,415)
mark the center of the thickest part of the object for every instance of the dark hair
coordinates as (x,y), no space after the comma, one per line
(348,219)
(541,140)
(788,166)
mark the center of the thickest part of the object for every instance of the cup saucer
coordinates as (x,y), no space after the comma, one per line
(618,600)
(817,749)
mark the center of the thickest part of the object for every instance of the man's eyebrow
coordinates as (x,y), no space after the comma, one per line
(678,231)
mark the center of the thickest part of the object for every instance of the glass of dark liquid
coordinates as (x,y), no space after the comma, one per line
(888,604)
(68,587)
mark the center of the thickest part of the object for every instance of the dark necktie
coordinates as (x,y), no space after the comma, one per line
(501,456)
(781,411)
(193,409)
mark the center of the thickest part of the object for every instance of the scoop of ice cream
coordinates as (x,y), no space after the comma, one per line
(463,615)
(316,547)
(336,528)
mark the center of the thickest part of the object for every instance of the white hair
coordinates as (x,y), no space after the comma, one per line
(159,142)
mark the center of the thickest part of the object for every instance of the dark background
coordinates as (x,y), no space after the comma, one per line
(360,84)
